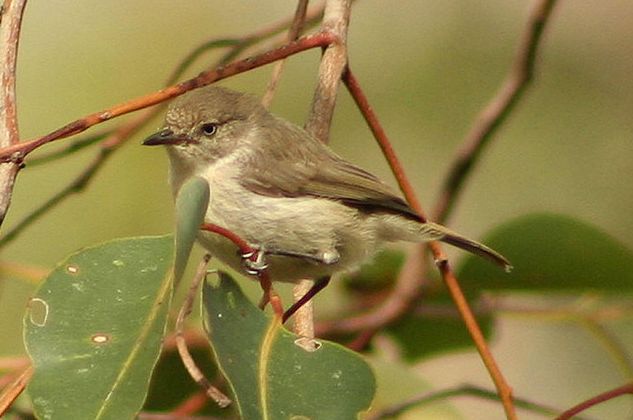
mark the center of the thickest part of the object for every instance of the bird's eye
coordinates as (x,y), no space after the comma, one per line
(209,129)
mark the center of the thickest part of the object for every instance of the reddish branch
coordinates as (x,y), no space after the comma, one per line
(605,396)
(410,278)
(320,39)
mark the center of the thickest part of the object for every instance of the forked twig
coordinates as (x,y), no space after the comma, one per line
(195,372)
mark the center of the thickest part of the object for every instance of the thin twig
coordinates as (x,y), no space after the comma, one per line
(195,372)
(69,149)
(10,25)
(109,145)
(462,390)
(610,342)
(398,303)
(320,39)
(600,398)
(498,109)
(13,390)
(293,34)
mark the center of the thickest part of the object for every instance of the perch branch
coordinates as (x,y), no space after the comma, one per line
(264,279)
(498,109)
(10,25)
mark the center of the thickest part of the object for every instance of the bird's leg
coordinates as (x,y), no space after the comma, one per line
(316,288)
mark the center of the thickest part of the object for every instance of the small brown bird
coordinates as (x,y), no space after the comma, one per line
(310,212)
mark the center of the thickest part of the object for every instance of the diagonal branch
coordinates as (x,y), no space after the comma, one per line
(10,24)
(498,109)
(295,30)
(600,398)
(458,391)
(320,39)
(115,138)
(399,302)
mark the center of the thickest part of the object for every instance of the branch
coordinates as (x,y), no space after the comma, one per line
(109,145)
(181,343)
(14,389)
(294,32)
(600,398)
(10,24)
(335,21)
(247,251)
(498,109)
(462,390)
(399,302)
(333,62)
(320,39)
(114,138)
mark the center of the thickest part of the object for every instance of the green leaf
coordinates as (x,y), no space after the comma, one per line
(380,273)
(423,336)
(171,383)
(191,206)
(94,328)
(552,252)
(271,376)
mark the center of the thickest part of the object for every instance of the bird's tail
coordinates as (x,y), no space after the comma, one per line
(446,235)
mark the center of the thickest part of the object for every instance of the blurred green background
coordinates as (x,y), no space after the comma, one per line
(427,67)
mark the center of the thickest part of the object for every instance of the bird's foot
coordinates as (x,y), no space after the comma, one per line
(254,261)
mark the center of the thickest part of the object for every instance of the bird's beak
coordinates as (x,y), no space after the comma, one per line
(165,137)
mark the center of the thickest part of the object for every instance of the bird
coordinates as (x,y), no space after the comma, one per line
(309,212)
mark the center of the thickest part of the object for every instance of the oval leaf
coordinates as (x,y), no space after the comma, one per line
(270,374)
(94,328)
(191,206)
(552,252)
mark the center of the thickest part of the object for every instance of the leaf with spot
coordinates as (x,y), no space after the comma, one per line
(94,329)
(271,375)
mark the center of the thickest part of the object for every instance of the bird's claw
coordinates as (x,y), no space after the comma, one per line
(254,261)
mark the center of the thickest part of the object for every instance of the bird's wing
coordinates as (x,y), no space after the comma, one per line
(314,170)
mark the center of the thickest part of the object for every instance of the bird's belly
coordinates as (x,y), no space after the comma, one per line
(299,226)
